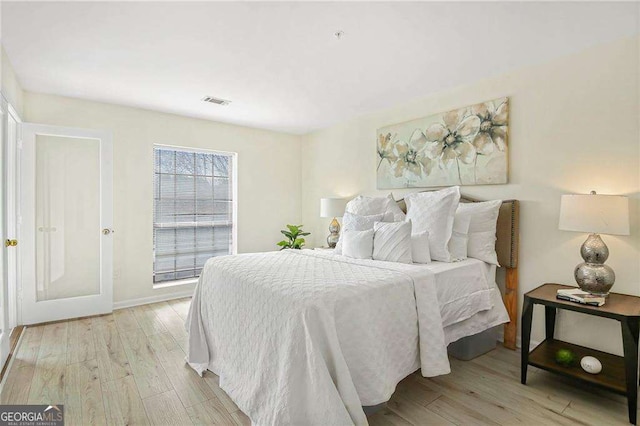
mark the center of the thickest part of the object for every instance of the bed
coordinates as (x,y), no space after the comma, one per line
(308,337)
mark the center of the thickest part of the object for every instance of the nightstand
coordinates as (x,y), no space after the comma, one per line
(619,374)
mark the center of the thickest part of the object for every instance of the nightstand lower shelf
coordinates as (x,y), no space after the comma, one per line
(612,376)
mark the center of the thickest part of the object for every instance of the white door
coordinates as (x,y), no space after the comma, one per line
(4,328)
(66,233)
(11,219)
(9,134)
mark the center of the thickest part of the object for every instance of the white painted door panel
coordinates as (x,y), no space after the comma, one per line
(67,220)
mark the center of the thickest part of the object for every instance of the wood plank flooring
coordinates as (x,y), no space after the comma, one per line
(121,369)
(128,369)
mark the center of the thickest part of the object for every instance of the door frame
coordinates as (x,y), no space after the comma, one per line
(79,306)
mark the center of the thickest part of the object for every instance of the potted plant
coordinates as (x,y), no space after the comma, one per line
(294,236)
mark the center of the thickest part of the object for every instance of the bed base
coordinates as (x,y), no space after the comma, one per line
(372,409)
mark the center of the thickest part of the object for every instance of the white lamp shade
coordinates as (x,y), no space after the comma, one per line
(594,213)
(332,207)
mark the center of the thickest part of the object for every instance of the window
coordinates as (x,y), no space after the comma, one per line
(194,210)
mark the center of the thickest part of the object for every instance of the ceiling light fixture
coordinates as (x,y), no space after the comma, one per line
(216,101)
(338,34)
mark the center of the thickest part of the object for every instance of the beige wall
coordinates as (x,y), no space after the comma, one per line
(268,177)
(574,127)
(11,89)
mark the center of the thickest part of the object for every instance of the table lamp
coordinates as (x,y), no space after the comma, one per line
(333,207)
(595,214)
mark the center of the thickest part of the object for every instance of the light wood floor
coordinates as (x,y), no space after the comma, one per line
(128,368)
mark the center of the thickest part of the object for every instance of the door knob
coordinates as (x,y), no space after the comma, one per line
(107,231)
(11,243)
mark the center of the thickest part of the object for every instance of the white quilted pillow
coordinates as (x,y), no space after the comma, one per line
(420,247)
(482,229)
(434,212)
(364,205)
(358,244)
(356,222)
(392,241)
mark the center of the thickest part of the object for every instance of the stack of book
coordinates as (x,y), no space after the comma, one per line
(578,296)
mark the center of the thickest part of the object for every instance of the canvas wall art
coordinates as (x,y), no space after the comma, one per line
(466,146)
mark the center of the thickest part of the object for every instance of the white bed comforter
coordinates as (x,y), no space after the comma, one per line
(298,337)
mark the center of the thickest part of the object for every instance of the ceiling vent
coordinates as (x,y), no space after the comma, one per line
(216,101)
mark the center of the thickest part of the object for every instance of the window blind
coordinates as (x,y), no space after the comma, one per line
(193,211)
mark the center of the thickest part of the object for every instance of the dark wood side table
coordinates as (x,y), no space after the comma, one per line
(619,374)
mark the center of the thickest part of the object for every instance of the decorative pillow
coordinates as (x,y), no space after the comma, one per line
(395,210)
(420,248)
(434,212)
(358,244)
(392,241)
(364,205)
(356,222)
(482,229)
(459,237)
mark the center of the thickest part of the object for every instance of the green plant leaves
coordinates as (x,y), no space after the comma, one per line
(294,228)
(294,235)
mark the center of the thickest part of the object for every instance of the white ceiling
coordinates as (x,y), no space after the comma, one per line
(279,63)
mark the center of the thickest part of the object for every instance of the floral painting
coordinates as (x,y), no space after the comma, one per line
(467,146)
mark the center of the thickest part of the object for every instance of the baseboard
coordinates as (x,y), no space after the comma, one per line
(152,299)
(9,363)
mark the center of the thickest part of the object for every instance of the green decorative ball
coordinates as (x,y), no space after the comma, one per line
(565,357)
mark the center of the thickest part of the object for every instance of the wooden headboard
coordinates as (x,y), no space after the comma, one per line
(507,237)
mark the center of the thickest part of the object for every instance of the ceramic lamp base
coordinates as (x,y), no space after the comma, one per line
(334,236)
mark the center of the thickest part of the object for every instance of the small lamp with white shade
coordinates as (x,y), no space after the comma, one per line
(333,207)
(595,214)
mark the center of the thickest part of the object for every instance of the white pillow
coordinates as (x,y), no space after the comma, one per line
(394,209)
(482,229)
(434,212)
(459,236)
(364,205)
(420,248)
(356,222)
(358,244)
(392,241)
